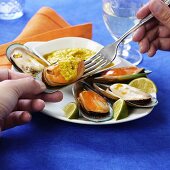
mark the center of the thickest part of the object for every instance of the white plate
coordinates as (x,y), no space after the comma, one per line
(56,109)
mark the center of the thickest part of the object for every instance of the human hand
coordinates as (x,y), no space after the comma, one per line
(19,95)
(155,34)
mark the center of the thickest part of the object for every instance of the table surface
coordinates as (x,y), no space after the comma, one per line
(48,143)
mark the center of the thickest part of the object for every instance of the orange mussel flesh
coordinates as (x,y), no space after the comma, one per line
(122,74)
(55,75)
(123,71)
(93,103)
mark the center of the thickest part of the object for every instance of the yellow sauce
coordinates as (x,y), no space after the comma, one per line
(68,68)
(118,86)
(58,55)
(68,60)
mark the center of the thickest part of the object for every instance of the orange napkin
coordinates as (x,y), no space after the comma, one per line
(46,25)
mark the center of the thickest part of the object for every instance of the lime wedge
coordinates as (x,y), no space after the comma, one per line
(144,84)
(71,110)
(120,109)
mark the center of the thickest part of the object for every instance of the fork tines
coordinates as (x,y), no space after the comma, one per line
(94,64)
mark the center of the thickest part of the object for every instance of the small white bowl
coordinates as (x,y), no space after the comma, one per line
(68,42)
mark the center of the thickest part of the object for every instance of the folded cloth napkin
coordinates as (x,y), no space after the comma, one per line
(46,25)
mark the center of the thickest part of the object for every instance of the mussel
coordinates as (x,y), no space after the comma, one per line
(63,73)
(25,60)
(121,74)
(92,106)
(133,96)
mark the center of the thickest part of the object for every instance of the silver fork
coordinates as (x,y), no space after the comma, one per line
(107,54)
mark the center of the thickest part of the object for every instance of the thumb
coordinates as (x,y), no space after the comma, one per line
(27,86)
(161,11)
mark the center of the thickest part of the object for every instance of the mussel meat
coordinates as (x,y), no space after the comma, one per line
(92,106)
(133,96)
(63,73)
(24,60)
(121,74)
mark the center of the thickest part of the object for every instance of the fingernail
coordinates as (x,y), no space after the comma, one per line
(150,54)
(141,49)
(59,96)
(134,35)
(26,117)
(156,6)
(42,85)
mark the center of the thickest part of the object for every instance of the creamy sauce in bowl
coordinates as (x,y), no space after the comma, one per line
(65,54)
(68,60)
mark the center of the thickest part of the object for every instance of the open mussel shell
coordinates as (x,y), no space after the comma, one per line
(132,96)
(86,105)
(24,60)
(53,75)
(123,74)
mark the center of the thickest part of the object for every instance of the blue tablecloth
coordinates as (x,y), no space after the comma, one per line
(48,143)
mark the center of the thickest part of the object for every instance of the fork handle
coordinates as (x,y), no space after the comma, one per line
(140,23)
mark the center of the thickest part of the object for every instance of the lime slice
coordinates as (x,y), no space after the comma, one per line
(144,84)
(71,110)
(120,109)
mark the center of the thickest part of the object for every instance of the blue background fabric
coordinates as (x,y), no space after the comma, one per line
(51,144)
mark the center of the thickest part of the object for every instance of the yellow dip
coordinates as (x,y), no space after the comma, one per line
(68,60)
(81,53)
(68,67)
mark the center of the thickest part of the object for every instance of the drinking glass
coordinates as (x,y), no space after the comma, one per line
(11,9)
(119,16)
